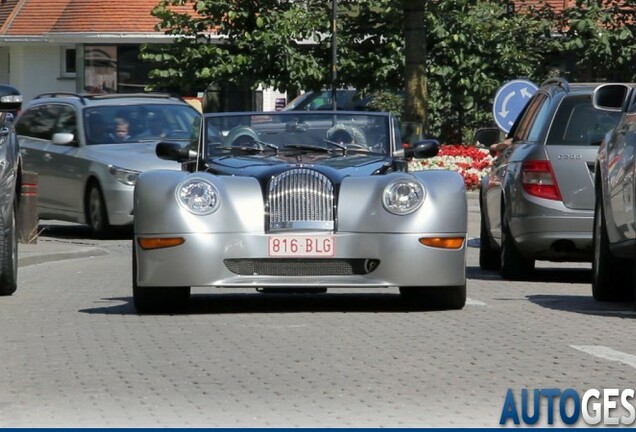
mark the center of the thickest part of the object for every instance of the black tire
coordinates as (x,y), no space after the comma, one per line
(612,277)
(513,265)
(96,212)
(157,299)
(488,256)
(9,251)
(447,297)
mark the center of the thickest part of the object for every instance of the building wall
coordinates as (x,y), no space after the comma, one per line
(36,69)
(4,65)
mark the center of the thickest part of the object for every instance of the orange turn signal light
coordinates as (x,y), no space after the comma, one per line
(443,242)
(160,242)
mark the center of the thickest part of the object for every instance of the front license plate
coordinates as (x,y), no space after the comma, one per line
(301,246)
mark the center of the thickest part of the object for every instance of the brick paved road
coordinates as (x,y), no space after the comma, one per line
(74,353)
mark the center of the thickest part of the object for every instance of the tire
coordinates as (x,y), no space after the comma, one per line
(448,297)
(9,251)
(513,265)
(96,213)
(157,299)
(612,278)
(488,256)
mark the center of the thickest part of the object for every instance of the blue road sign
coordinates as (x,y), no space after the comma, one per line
(510,100)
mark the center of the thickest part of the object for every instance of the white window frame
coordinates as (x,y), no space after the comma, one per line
(64,72)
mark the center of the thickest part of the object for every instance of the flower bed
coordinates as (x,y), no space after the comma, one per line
(471,162)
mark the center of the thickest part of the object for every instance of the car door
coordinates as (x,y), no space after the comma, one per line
(66,167)
(35,129)
(617,155)
(519,134)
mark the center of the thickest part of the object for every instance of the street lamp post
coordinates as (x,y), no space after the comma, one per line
(334,54)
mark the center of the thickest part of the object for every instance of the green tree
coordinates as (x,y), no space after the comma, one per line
(599,37)
(462,51)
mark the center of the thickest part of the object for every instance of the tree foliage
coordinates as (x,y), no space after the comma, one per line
(472,48)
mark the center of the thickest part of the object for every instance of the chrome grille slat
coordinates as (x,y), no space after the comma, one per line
(300,198)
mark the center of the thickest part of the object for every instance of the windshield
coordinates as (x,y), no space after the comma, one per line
(140,123)
(298,131)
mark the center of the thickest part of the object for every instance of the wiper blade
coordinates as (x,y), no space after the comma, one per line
(350,147)
(307,147)
(337,144)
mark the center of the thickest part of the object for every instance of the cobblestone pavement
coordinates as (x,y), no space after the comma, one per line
(73,353)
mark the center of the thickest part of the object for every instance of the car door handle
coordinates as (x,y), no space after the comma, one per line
(47,157)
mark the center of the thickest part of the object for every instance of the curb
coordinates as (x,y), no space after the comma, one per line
(34,259)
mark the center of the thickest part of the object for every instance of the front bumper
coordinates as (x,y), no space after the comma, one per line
(403,262)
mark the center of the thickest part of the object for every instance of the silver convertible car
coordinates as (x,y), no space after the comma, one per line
(299,201)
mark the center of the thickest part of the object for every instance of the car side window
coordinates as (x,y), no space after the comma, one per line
(67,121)
(522,132)
(38,122)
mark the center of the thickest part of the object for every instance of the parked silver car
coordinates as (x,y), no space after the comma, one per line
(10,173)
(615,210)
(538,202)
(296,201)
(89,150)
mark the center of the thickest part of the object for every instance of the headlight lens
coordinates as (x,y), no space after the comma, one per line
(198,196)
(403,197)
(11,99)
(125,176)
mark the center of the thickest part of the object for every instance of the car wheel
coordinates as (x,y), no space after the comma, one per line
(612,278)
(96,213)
(447,297)
(157,299)
(488,256)
(513,265)
(9,251)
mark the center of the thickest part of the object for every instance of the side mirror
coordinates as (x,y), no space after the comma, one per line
(485,137)
(174,152)
(63,139)
(422,149)
(610,97)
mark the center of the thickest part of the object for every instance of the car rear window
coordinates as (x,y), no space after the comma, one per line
(577,122)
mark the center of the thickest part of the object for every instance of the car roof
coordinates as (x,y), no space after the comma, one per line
(109,99)
(6,89)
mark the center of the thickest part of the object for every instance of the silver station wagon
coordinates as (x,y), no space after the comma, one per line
(89,149)
(538,202)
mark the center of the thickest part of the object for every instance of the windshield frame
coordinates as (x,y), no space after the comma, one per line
(294,131)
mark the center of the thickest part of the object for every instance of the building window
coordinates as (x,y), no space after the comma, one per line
(68,65)
(100,69)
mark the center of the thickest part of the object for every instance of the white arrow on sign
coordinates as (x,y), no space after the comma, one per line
(504,112)
(525,93)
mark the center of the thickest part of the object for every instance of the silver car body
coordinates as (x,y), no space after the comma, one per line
(554,146)
(10,187)
(68,162)
(369,247)
(615,210)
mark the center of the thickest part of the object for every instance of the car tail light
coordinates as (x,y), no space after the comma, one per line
(538,180)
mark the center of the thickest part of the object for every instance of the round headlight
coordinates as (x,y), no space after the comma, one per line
(403,197)
(198,196)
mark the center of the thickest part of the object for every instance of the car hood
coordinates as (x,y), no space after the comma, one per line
(261,166)
(133,156)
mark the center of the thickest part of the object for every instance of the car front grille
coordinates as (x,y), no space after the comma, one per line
(301,266)
(300,198)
